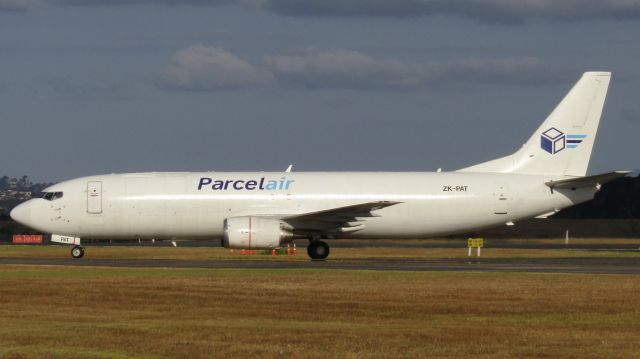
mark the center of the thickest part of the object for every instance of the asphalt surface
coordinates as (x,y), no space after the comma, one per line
(631,244)
(540,265)
(439,243)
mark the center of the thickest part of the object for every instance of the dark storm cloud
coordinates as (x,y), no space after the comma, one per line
(493,11)
(630,114)
(202,68)
(135,2)
(15,5)
(517,71)
(91,85)
(504,11)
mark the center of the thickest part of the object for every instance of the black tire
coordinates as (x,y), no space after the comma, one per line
(77,252)
(318,250)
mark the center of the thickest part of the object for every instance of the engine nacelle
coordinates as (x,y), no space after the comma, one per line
(255,233)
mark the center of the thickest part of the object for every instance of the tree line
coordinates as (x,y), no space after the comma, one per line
(618,199)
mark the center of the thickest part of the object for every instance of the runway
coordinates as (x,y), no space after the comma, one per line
(539,265)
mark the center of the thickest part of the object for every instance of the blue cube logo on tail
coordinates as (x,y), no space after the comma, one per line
(552,140)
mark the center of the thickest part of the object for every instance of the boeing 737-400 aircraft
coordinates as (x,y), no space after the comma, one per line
(263,210)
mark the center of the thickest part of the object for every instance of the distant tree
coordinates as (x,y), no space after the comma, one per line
(24,182)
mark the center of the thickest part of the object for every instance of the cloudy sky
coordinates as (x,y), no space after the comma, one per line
(97,86)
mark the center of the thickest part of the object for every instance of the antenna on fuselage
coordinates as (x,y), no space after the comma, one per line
(289,168)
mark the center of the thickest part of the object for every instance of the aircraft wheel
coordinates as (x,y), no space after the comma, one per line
(318,250)
(77,252)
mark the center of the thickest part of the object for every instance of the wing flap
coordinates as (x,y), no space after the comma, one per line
(340,219)
(341,213)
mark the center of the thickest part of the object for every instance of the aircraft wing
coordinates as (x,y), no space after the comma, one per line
(587,181)
(340,219)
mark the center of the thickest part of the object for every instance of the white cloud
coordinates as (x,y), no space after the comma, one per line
(351,69)
(204,68)
(343,68)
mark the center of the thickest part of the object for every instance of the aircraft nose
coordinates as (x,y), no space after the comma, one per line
(21,213)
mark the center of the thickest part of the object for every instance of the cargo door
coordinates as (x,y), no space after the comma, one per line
(94,197)
(501,198)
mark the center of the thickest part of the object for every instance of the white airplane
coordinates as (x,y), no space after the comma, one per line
(264,210)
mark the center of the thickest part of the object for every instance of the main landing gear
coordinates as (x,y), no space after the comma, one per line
(318,250)
(77,252)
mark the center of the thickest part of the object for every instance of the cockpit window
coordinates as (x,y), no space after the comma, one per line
(51,196)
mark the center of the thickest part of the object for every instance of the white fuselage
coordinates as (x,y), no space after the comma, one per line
(195,205)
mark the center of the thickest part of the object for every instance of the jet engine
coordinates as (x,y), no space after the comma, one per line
(255,233)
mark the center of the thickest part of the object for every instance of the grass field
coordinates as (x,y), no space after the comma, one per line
(89,312)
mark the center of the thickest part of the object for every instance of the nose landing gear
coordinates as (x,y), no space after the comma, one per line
(77,252)
(318,250)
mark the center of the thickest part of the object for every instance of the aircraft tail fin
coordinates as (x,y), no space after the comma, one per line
(562,145)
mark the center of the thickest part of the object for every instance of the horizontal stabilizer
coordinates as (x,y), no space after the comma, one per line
(588,181)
